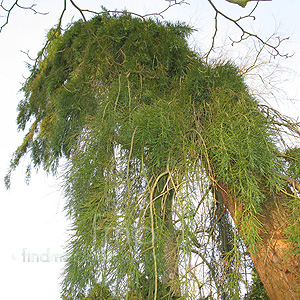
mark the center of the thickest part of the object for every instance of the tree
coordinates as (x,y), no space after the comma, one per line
(271,44)
(160,147)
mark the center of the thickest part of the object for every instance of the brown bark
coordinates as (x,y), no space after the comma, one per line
(171,276)
(278,267)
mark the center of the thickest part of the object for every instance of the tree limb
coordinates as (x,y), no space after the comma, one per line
(9,10)
(245,34)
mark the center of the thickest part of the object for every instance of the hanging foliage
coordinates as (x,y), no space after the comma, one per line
(149,130)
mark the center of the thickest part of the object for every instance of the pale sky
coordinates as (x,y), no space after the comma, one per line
(32,224)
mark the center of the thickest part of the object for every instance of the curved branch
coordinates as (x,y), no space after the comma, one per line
(210,267)
(292,182)
(245,34)
(157,14)
(16,4)
(281,122)
(62,15)
(79,9)
(82,12)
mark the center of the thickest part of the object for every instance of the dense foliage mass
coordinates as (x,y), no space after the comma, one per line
(149,130)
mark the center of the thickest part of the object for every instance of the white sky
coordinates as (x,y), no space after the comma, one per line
(32,224)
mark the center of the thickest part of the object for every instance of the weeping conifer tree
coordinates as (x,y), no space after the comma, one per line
(170,162)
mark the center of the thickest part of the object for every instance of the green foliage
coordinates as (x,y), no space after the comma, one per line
(147,128)
(257,290)
(89,59)
(241,150)
(292,231)
(292,169)
(99,292)
(292,157)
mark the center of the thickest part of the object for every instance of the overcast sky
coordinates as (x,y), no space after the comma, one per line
(32,223)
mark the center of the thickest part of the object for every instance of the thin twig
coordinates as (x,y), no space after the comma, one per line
(246,34)
(8,11)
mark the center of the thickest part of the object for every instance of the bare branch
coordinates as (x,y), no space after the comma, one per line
(273,49)
(281,121)
(9,10)
(28,56)
(79,9)
(82,11)
(213,37)
(170,5)
(62,15)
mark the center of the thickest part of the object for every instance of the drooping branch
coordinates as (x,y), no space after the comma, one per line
(283,123)
(82,11)
(272,48)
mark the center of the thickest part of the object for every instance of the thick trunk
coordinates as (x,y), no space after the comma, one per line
(278,268)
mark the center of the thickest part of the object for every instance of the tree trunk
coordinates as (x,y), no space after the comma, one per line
(164,193)
(170,277)
(278,268)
